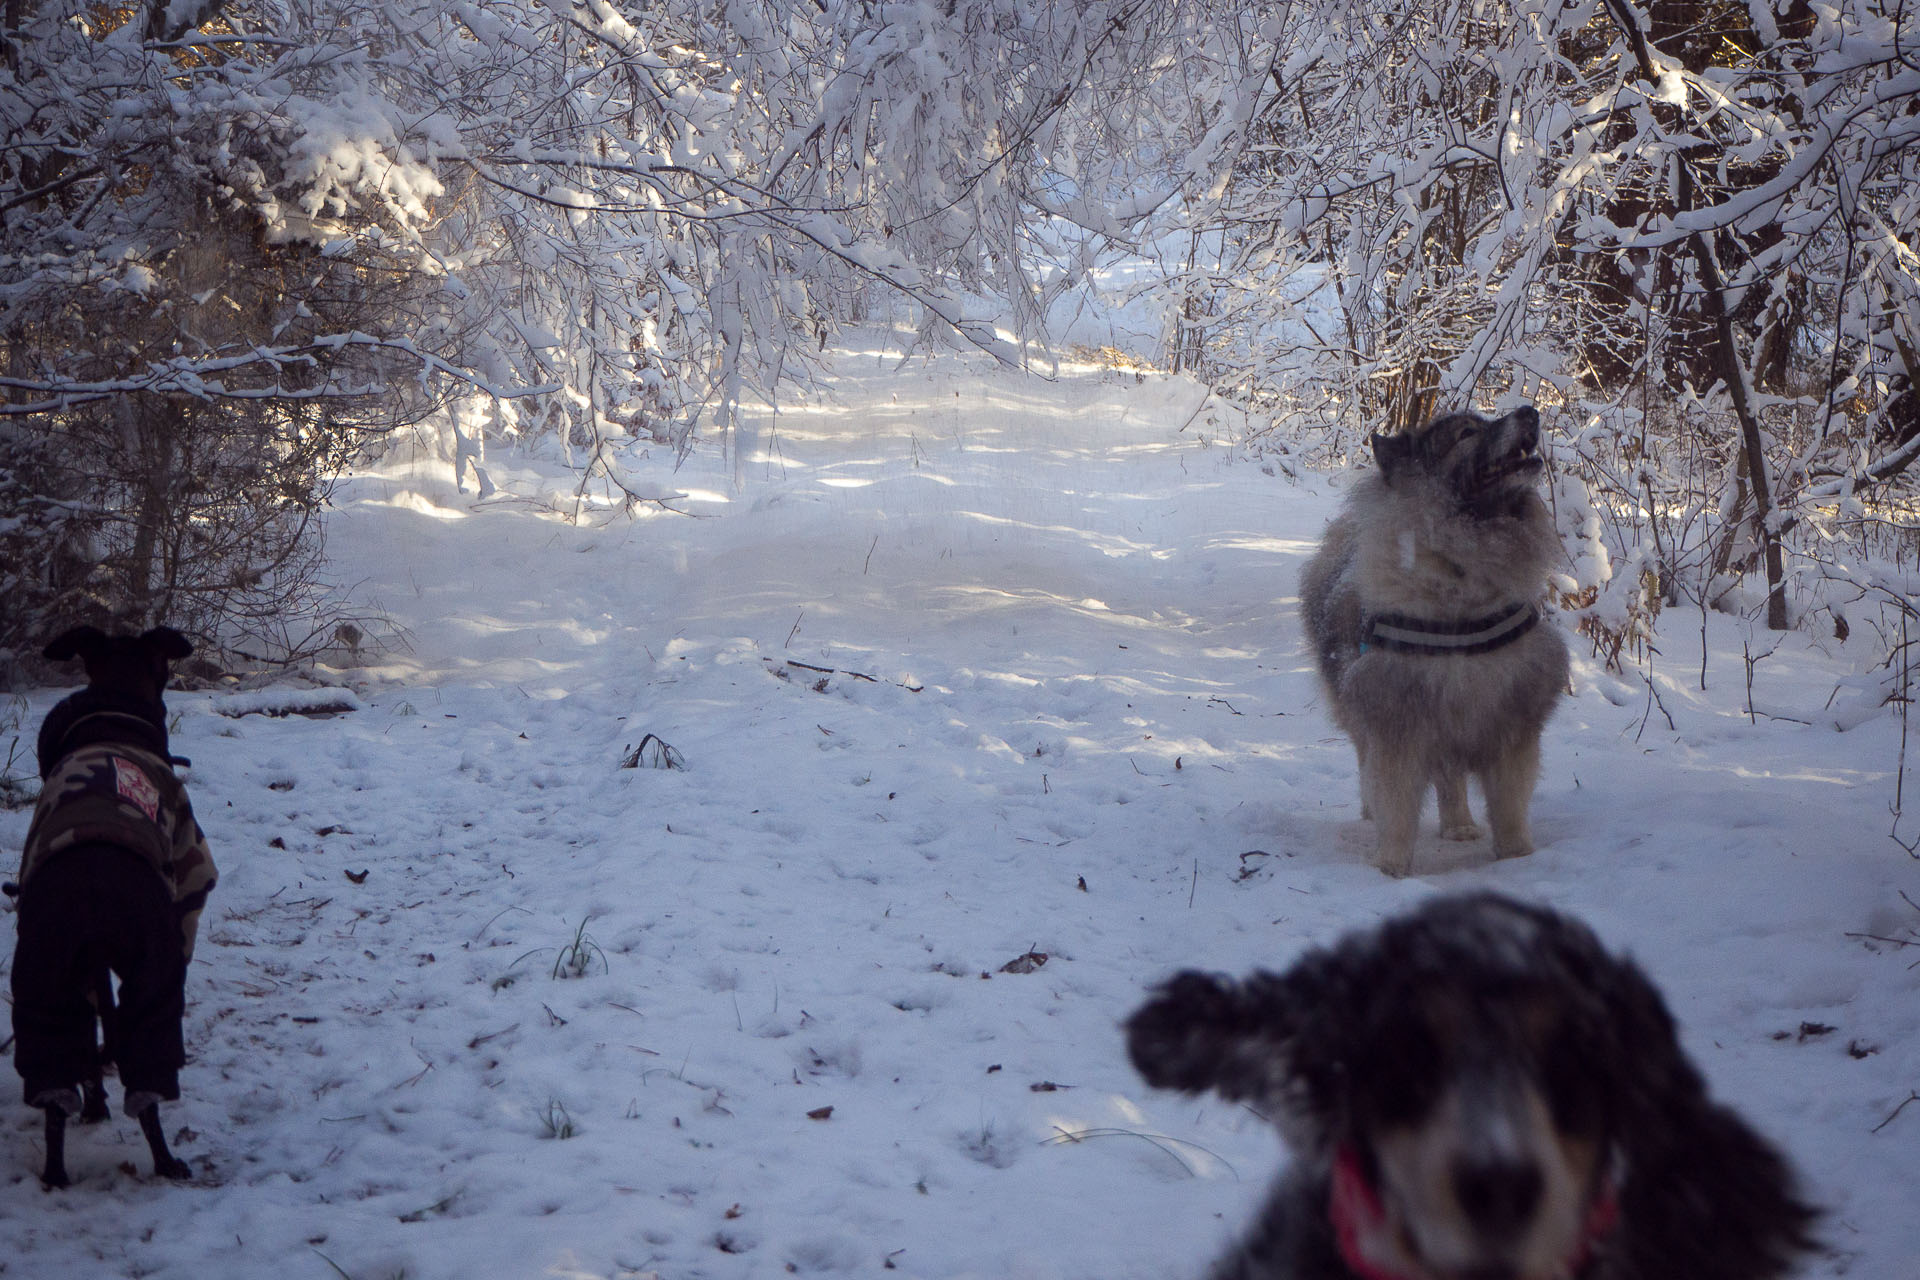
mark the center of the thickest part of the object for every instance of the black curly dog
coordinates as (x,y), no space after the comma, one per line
(113,876)
(1476,1091)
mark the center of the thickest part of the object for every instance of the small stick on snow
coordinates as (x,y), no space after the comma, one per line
(1911,1097)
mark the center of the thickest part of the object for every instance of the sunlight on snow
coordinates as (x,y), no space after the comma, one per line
(1274,546)
(420,504)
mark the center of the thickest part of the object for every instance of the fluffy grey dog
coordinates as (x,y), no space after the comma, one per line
(1422,606)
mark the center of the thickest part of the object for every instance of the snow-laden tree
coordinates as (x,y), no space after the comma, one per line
(240,236)
(661,207)
(1690,225)
(236,237)
(210,280)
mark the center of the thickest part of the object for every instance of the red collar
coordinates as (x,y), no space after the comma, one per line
(1358,1218)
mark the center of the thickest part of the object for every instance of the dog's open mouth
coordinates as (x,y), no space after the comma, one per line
(1523,462)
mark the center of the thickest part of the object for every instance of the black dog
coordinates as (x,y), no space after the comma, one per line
(1476,1091)
(113,878)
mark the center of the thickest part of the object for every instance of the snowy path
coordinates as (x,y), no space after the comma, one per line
(1082,726)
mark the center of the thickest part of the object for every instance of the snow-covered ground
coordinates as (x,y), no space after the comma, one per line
(979,667)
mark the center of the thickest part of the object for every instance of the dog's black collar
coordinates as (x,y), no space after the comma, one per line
(95,715)
(1399,633)
(141,728)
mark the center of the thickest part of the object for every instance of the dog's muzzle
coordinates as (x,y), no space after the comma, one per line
(1519,449)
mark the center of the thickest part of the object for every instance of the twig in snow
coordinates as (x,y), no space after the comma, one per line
(1900,768)
(1653,699)
(1875,937)
(479,1040)
(831,671)
(1196,412)
(1910,1098)
(663,755)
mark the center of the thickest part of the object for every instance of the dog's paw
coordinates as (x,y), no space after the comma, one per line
(1512,843)
(173,1167)
(55,1179)
(1462,831)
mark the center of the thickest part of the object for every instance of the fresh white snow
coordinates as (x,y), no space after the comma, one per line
(978,666)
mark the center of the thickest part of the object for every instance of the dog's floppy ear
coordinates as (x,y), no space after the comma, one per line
(1653,1078)
(74,643)
(166,643)
(1741,1216)
(1390,453)
(1246,1041)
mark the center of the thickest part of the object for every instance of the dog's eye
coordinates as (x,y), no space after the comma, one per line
(1406,1084)
(1575,1087)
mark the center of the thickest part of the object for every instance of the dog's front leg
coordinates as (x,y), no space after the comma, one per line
(1395,789)
(55,1174)
(58,1104)
(1509,788)
(1360,761)
(93,1091)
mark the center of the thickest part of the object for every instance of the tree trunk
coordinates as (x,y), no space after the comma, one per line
(1726,356)
(1735,376)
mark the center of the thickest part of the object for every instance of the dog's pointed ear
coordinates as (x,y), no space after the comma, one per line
(1390,453)
(75,643)
(1200,1032)
(166,643)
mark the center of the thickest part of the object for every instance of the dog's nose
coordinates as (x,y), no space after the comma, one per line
(1498,1196)
(1527,418)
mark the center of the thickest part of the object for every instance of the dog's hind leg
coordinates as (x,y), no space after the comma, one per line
(1456,819)
(165,1163)
(1509,786)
